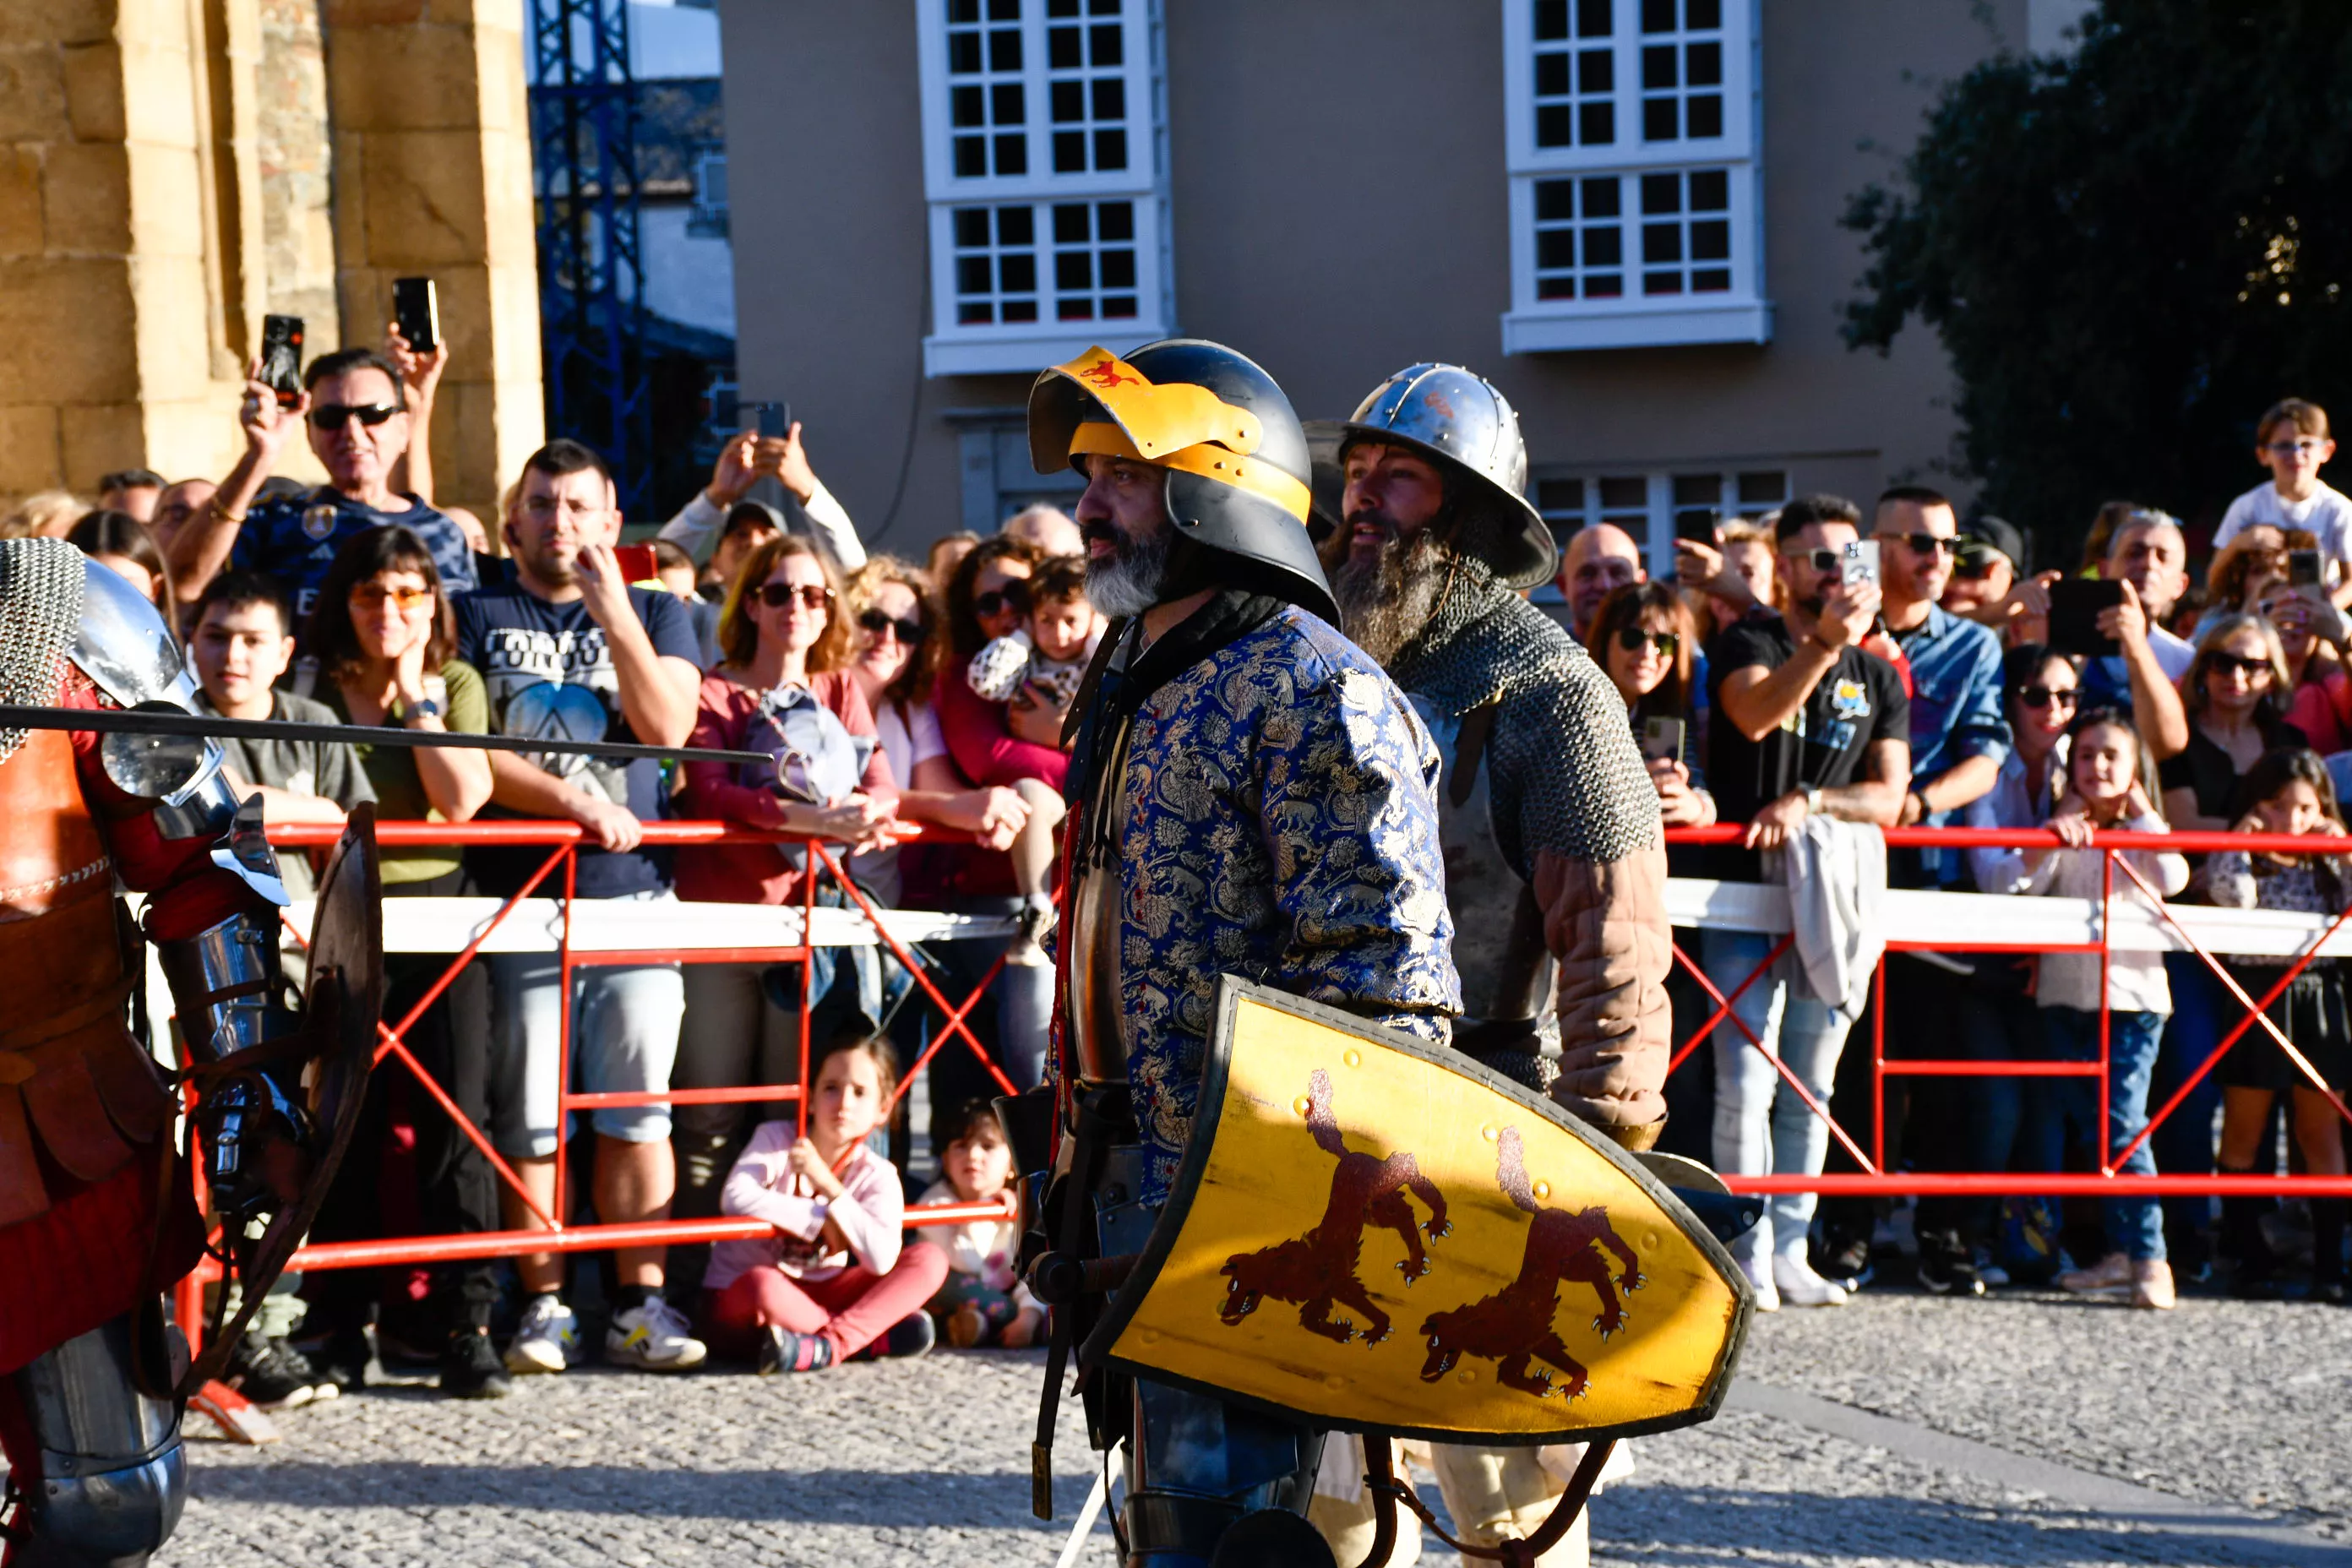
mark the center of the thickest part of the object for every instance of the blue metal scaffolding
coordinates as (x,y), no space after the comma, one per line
(591,274)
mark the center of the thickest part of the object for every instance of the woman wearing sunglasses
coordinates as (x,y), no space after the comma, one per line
(784,684)
(1643,634)
(383,644)
(891,603)
(2236,690)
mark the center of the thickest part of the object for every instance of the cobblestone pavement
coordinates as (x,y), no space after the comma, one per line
(1848,1444)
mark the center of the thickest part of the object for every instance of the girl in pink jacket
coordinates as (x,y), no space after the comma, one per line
(833,1280)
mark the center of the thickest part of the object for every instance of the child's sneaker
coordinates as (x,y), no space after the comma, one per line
(913,1335)
(653,1337)
(548,1340)
(781,1349)
(1032,920)
(275,1375)
(967,1326)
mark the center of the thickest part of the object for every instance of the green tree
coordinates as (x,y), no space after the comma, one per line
(2128,253)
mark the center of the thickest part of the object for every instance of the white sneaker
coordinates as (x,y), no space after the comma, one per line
(1799,1287)
(654,1338)
(548,1338)
(1759,1278)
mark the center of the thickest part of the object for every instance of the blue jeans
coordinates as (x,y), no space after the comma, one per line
(1761,1127)
(2071,1105)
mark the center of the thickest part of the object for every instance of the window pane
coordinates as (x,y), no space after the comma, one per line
(963,53)
(1604,247)
(1710,240)
(1702,16)
(1659,120)
(1710,191)
(1660,242)
(1552,75)
(1551,19)
(962,11)
(1005,49)
(1110,97)
(1604,285)
(1005,10)
(1705,115)
(966,106)
(1017,274)
(971,227)
(1069,152)
(1012,154)
(1115,221)
(971,275)
(975,312)
(1601,197)
(1117,269)
(1018,310)
(1005,104)
(1711,280)
(1111,149)
(1070,224)
(1118,307)
(1107,42)
(1596,72)
(1016,225)
(1555,200)
(1069,101)
(1553,126)
(1555,248)
(1657,15)
(1662,282)
(1559,495)
(1661,194)
(1063,48)
(1763,489)
(1625,495)
(1703,65)
(1061,7)
(1597,123)
(1556,285)
(1103,7)
(1592,19)
(1073,269)
(970,157)
(1658,67)
(1079,309)
(1698,491)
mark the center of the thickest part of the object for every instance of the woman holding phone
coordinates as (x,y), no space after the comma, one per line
(1645,638)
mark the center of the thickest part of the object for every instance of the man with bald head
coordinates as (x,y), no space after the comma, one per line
(1600,557)
(1048,528)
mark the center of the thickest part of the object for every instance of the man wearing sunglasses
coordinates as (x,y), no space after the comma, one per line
(355,414)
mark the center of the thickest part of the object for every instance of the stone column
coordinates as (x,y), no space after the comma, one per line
(115,347)
(433,177)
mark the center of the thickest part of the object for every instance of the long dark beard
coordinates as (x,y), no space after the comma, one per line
(1135,579)
(1384,602)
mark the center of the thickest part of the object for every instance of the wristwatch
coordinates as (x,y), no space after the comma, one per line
(1812,800)
(423,707)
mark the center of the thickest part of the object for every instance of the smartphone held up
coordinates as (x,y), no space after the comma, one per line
(281,358)
(417,311)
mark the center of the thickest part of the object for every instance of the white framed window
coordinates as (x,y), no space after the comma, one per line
(709,219)
(1650,506)
(1630,127)
(1046,169)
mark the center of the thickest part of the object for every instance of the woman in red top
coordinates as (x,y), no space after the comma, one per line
(781,627)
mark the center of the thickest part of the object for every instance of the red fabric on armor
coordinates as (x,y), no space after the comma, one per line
(89,1250)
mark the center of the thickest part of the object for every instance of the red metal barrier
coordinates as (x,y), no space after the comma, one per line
(562,839)
(1877,1181)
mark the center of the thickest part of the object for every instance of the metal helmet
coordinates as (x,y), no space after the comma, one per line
(1236,457)
(1458,417)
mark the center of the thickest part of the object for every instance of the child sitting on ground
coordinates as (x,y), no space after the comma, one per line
(983,1302)
(834,1278)
(1050,655)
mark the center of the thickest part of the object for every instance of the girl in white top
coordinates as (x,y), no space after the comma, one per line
(2110,784)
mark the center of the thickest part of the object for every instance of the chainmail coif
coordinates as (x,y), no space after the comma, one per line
(1564,772)
(40,609)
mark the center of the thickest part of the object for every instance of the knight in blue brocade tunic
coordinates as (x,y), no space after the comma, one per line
(1278,821)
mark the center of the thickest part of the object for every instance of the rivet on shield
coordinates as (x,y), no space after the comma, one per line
(1333,1380)
(1649,1241)
(1149,1336)
(1467,1375)
(1490,1132)
(1543,1189)
(1353,1058)
(1302,1105)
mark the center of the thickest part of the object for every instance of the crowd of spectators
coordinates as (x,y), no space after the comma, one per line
(1769,685)
(1950,683)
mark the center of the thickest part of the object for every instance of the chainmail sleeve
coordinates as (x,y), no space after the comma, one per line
(40,608)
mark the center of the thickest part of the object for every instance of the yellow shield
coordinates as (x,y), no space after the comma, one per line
(1385,1237)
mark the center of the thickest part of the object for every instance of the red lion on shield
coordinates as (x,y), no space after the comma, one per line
(1319,1269)
(1106,375)
(1513,1327)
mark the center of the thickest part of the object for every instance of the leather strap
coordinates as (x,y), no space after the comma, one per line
(86,1012)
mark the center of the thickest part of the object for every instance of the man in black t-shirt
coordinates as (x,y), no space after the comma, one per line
(1805,722)
(572,652)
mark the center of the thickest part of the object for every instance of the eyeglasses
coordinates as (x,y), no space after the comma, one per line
(331,415)
(1633,639)
(2038,697)
(1013,597)
(367,596)
(2225,663)
(1928,543)
(812,595)
(910,631)
(2304,447)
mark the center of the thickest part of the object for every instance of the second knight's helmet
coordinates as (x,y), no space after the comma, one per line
(1459,419)
(1235,454)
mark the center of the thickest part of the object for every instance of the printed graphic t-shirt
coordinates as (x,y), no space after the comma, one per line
(297,539)
(1857,702)
(550,676)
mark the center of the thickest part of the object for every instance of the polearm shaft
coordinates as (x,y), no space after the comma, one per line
(151,721)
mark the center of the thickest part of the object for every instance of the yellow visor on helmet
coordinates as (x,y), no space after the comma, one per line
(1177,425)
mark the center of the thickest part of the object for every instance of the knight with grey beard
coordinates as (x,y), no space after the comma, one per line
(1555,861)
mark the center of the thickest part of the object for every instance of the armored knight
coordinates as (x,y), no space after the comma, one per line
(1251,796)
(95,1209)
(1555,866)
